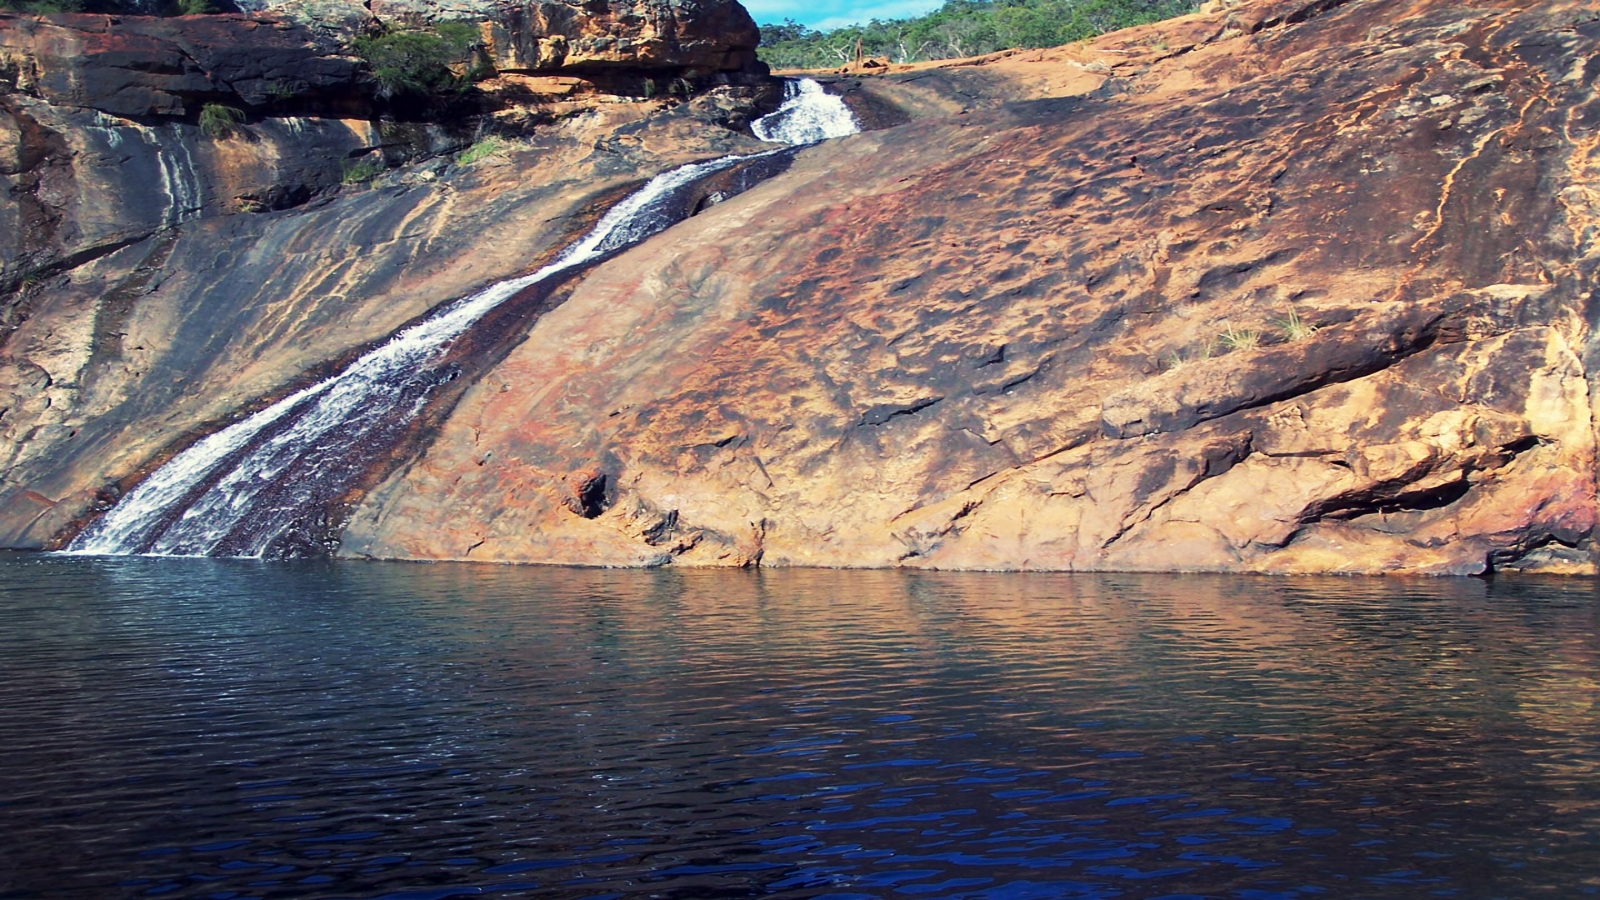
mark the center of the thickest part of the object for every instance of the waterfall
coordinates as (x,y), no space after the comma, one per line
(178,176)
(259,487)
(179,180)
(808,114)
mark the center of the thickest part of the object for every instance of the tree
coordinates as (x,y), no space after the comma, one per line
(418,61)
(961,28)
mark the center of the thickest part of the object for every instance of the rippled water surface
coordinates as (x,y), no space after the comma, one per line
(224,729)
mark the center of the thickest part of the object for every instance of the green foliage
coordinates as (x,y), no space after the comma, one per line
(420,61)
(1235,339)
(38,7)
(1204,350)
(1291,326)
(961,28)
(459,35)
(195,7)
(489,146)
(1294,328)
(362,171)
(218,121)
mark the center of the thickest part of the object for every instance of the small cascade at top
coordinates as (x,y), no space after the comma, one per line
(262,486)
(808,114)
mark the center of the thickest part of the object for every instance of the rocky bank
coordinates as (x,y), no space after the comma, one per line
(1278,287)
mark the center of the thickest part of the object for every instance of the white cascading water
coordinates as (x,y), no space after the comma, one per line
(179,182)
(808,114)
(245,490)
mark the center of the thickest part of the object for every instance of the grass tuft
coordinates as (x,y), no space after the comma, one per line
(1294,328)
(1204,350)
(489,146)
(1240,340)
(362,171)
(218,121)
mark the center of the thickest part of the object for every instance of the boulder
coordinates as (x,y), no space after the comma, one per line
(139,66)
(696,36)
(552,36)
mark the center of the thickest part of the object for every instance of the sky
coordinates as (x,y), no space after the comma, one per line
(825,14)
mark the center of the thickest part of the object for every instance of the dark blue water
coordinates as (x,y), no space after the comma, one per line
(226,729)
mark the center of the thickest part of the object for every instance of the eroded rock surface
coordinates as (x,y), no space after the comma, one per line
(158,279)
(137,66)
(1280,287)
(138,350)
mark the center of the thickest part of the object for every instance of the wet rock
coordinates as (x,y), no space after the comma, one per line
(187,321)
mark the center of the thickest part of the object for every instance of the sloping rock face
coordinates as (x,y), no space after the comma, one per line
(130,355)
(100,115)
(1281,287)
(157,280)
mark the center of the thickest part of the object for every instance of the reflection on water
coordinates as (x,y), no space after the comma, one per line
(227,729)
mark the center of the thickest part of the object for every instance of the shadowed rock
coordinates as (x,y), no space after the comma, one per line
(1282,287)
(147,66)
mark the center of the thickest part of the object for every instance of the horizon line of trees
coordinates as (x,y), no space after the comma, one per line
(960,28)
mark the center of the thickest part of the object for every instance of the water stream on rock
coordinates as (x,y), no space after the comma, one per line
(258,488)
(808,114)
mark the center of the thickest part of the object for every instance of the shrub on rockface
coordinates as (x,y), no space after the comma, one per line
(420,62)
(218,120)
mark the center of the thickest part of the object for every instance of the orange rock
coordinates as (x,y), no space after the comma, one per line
(1256,306)
(1283,287)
